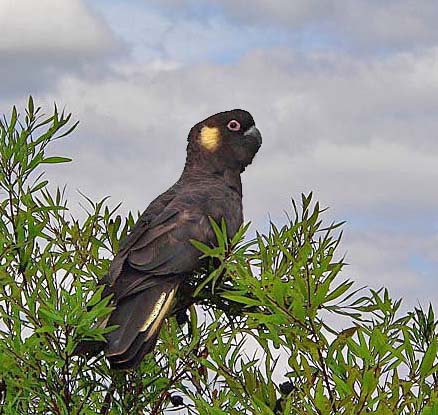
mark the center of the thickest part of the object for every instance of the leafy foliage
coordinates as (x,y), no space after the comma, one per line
(261,336)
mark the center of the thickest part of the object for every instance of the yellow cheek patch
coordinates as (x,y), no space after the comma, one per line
(210,138)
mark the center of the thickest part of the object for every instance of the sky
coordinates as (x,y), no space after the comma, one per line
(344,92)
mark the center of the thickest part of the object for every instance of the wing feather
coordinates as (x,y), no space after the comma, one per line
(146,273)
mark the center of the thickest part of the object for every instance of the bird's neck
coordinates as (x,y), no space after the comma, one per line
(230,176)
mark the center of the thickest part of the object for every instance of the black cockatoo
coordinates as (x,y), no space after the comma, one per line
(157,256)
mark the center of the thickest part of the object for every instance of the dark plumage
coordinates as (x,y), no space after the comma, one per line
(157,255)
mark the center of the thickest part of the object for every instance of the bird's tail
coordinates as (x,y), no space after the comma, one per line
(139,318)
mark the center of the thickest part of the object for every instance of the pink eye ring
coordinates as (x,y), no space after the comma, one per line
(233,125)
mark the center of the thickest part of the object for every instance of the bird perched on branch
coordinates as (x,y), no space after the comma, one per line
(157,256)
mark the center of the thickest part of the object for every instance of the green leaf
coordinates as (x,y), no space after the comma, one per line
(338,291)
(241,299)
(428,359)
(56,159)
(39,186)
(30,106)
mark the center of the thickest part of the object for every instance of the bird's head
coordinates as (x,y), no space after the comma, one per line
(228,139)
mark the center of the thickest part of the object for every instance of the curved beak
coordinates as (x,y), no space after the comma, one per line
(254,133)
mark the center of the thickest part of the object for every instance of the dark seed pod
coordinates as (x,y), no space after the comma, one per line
(182,317)
(177,400)
(286,388)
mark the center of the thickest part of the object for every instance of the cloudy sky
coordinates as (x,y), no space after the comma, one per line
(345,94)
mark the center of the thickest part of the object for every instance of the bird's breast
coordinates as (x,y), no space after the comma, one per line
(229,207)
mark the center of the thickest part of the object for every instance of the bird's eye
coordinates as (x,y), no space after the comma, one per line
(233,125)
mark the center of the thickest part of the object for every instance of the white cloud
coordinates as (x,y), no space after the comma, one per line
(185,38)
(52,27)
(403,24)
(374,25)
(42,41)
(386,259)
